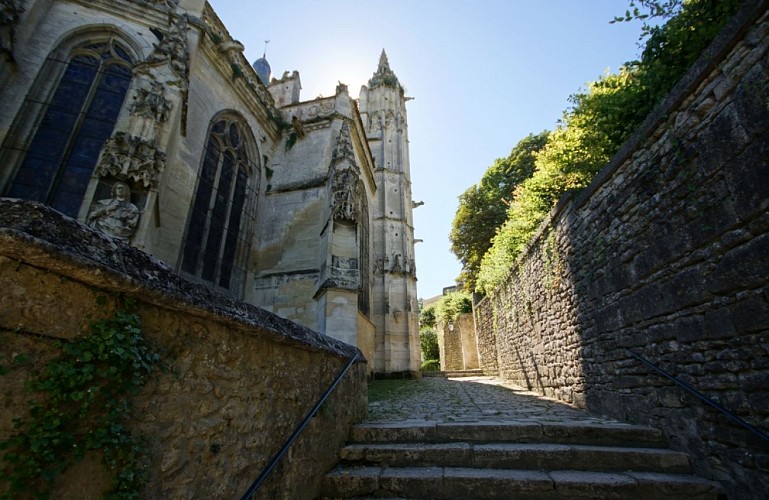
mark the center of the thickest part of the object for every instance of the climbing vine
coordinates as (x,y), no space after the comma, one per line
(82,404)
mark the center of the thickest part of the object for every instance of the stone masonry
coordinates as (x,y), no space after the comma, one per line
(237,381)
(665,254)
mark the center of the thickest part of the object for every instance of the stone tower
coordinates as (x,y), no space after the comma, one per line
(394,296)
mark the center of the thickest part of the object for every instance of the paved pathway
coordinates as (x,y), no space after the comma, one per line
(472,399)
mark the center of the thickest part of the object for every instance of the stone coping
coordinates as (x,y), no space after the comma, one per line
(42,237)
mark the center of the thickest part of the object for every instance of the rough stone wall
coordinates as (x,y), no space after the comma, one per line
(450,347)
(457,346)
(485,330)
(238,381)
(666,255)
(466,327)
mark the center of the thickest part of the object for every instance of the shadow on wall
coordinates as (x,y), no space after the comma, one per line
(665,256)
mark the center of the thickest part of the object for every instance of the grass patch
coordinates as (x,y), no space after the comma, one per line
(386,390)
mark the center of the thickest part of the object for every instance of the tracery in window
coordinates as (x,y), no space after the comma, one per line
(75,122)
(222,212)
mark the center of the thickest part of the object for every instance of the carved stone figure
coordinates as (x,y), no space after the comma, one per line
(149,109)
(172,46)
(345,196)
(116,216)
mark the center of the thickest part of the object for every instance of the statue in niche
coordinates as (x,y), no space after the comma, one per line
(116,216)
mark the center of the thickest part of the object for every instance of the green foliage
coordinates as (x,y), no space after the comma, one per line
(431,365)
(601,119)
(427,317)
(428,341)
(483,207)
(453,304)
(84,400)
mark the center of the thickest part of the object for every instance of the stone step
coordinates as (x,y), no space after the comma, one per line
(454,373)
(458,482)
(588,433)
(536,456)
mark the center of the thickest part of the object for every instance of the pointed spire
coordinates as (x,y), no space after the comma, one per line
(384,75)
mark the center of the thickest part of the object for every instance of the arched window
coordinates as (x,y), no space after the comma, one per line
(223,208)
(58,159)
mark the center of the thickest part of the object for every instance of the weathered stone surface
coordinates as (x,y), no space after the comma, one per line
(664,254)
(239,379)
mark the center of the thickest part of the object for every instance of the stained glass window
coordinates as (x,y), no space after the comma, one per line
(79,117)
(222,210)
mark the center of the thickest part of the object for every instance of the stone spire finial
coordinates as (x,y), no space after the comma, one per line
(384,75)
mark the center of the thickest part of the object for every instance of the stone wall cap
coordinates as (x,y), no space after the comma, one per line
(40,236)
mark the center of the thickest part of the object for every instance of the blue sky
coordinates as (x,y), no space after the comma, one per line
(483,75)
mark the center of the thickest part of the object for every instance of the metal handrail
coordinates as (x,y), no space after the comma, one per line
(691,390)
(274,461)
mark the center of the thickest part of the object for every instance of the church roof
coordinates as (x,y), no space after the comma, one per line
(383,75)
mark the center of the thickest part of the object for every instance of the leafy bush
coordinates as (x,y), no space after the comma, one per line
(453,304)
(431,365)
(483,207)
(427,317)
(428,341)
(601,120)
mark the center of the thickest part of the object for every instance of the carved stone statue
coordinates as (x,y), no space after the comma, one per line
(116,216)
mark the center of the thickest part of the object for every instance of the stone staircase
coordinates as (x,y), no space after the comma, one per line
(518,460)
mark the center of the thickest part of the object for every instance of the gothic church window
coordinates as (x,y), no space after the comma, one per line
(223,208)
(68,127)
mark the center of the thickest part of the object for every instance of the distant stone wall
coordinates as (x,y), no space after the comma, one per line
(666,255)
(238,379)
(457,345)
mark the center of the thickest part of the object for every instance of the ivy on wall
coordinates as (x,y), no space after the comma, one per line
(81,402)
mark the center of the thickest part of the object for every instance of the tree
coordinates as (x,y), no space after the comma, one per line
(483,207)
(601,119)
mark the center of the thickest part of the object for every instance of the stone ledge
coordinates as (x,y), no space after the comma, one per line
(42,237)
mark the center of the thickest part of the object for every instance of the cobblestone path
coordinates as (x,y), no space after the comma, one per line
(470,399)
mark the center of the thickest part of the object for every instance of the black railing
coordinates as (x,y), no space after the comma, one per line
(299,428)
(694,392)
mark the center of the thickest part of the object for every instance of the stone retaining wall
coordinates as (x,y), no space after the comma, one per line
(666,255)
(238,378)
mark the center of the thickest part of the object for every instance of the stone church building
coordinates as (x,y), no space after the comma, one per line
(142,118)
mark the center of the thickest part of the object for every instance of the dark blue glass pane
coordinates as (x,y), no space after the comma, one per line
(81,70)
(233,229)
(218,217)
(58,119)
(36,172)
(106,104)
(199,216)
(74,181)
(234,135)
(116,78)
(25,192)
(209,264)
(96,129)
(122,54)
(219,127)
(49,144)
(67,203)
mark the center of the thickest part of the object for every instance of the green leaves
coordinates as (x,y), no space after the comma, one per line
(601,119)
(84,400)
(483,207)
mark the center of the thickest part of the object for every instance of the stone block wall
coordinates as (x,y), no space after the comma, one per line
(238,378)
(665,255)
(457,346)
